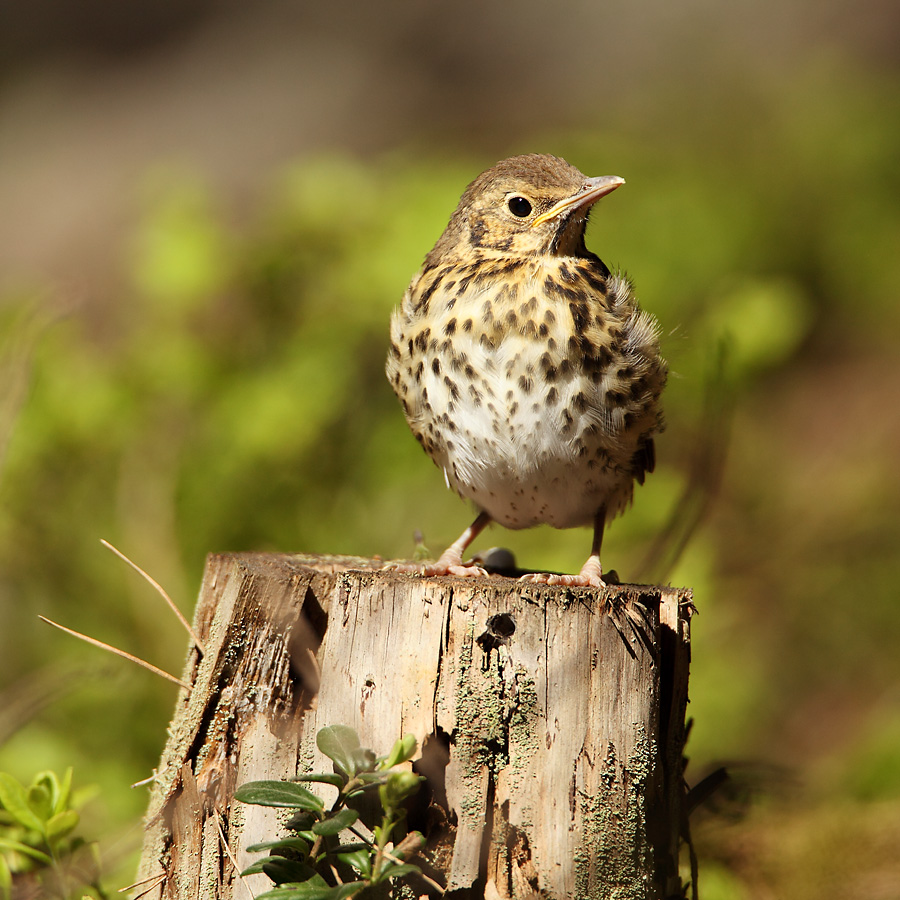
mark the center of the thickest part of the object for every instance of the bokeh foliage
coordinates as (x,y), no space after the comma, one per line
(232,398)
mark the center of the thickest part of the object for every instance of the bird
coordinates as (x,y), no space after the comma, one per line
(525,367)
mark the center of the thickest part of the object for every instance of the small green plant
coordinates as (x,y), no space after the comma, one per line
(38,850)
(312,863)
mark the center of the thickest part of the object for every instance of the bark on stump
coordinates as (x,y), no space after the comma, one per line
(550,722)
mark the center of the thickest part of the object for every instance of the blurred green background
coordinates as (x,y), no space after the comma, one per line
(207,212)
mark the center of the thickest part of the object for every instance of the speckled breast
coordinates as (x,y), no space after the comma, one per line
(533,390)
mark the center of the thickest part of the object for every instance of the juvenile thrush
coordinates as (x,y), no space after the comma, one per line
(526,368)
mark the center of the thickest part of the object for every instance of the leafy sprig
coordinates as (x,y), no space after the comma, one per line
(312,863)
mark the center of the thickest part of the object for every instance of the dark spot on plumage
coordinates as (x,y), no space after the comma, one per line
(551,344)
(551,373)
(469,371)
(446,345)
(420,369)
(543,331)
(528,329)
(425,296)
(512,320)
(552,286)
(510,265)
(421,339)
(467,325)
(436,366)
(579,401)
(514,408)
(573,346)
(450,327)
(451,303)
(451,386)
(552,396)
(549,316)
(528,307)
(450,285)
(595,277)
(525,384)
(565,367)
(475,394)
(465,281)
(395,350)
(566,274)
(617,398)
(580,315)
(503,243)
(637,389)
(410,349)
(477,231)
(567,422)
(433,344)
(509,396)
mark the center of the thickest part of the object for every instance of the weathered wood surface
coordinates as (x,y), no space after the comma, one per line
(550,720)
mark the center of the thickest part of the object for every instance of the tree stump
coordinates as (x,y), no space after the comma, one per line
(550,722)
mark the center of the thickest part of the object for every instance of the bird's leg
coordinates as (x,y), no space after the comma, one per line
(451,561)
(591,574)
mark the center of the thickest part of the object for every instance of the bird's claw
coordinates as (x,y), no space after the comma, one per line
(580,580)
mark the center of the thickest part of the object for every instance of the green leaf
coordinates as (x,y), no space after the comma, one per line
(15,801)
(336,822)
(352,847)
(360,859)
(370,778)
(395,870)
(286,871)
(340,744)
(403,750)
(301,821)
(5,880)
(337,780)
(61,824)
(397,788)
(278,793)
(26,850)
(254,868)
(313,892)
(292,843)
(63,793)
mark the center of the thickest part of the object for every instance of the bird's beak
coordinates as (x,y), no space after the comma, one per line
(593,190)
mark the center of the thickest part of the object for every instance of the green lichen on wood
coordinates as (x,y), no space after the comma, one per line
(615,857)
(496,716)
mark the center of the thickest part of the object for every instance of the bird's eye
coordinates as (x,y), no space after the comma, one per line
(519,206)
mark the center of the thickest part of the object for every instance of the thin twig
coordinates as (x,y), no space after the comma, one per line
(229,854)
(422,875)
(156,879)
(161,591)
(117,652)
(147,780)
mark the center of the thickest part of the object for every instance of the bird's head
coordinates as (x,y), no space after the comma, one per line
(529,205)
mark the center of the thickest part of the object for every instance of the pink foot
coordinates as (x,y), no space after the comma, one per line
(569,580)
(591,575)
(441,567)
